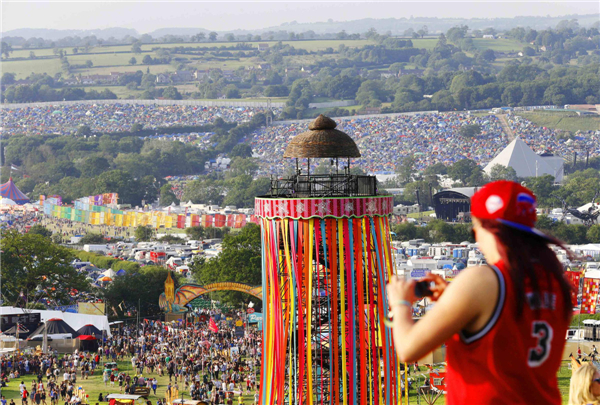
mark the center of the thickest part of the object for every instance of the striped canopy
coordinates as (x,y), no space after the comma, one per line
(9,190)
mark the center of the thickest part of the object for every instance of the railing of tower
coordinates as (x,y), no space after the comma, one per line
(324,185)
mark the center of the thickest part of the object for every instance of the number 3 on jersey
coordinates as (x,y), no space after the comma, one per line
(542,331)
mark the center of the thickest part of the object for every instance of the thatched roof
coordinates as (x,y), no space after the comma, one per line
(322,141)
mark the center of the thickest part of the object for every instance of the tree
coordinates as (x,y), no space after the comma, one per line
(463,169)
(195,232)
(136,47)
(239,261)
(5,49)
(488,55)
(499,172)
(470,130)
(94,166)
(143,233)
(37,268)
(406,169)
(423,31)
(84,130)
(132,61)
(40,230)
(167,196)
(229,37)
(147,60)
(242,150)
(91,238)
(231,91)
(149,284)
(7,79)
(172,93)
(212,36)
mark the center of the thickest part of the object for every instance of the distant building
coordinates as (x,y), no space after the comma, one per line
(264,66)
(371,110)
(71,82)
(489,37)
(162,78)
(263,47)
(201,74)
(452,204)
(182,76)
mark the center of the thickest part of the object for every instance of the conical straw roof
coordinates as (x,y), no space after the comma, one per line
(322,141)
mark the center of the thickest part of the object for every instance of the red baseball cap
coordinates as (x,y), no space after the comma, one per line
(509,203)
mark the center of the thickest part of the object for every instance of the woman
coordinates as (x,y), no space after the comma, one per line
(505,324)
(585,385)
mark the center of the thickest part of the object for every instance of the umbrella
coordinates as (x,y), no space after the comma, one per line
(105,278)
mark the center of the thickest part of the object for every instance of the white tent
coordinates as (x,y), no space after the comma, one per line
(526,162)
(109,273)
(75,321)
(7,201)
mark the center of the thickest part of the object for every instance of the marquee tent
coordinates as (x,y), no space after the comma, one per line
(10,190)
(53,327)
(90,330)
(76,321)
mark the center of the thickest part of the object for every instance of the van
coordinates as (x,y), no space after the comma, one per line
(592,266)
(476,261)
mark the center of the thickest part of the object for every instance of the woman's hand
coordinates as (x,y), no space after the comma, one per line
(439,287)
(400,290)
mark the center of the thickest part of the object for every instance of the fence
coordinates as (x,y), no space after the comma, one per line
(203,103)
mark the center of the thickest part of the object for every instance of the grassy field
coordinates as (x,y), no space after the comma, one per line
(94,386)
(566,121)
(108,59)
(502,45)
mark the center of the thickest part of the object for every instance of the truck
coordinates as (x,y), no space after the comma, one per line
(95,248)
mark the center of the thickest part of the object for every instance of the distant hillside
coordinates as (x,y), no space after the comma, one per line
(54,35)
(396,26)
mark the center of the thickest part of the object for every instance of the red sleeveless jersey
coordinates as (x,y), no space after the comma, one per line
(511,360)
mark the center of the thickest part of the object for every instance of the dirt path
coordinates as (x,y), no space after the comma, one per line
(506,127)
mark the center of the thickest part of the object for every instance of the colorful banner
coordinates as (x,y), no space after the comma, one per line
(573,278)
(590,295)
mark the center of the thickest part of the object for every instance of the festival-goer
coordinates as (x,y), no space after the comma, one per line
(504,324)
(585,385)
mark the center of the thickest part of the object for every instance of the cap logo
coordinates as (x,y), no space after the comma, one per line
(525,204)
(493,204)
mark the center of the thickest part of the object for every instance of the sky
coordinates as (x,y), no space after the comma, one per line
(146,16)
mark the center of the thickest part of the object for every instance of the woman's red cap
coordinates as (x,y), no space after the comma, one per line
(507,202)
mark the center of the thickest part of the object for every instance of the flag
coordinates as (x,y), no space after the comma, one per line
(13,167)
(589,295)
(212,325)
(573,279)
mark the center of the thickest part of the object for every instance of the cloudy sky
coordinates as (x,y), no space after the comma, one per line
(146,16)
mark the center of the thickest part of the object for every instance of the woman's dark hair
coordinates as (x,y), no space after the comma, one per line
(520,251)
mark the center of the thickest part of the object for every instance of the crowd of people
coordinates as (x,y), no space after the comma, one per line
(106,118)
(430,138)
(215,366)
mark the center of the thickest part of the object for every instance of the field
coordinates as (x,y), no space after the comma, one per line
(94,386)
(566,121)
(108,59)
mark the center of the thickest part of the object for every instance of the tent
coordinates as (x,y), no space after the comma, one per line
(7,201)
(76,321)
(10,190)
(109,273)
(13,331)
(55,326)
(89,330)
(526,162)
(88,338)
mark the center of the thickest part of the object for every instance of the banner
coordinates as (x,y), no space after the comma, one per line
(573,278)
(92,308)
(590,295)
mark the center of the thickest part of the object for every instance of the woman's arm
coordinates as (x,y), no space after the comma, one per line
(467,303)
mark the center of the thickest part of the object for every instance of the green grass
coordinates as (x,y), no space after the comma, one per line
(566,121)
(423,214)
(94,386)
(502,45)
